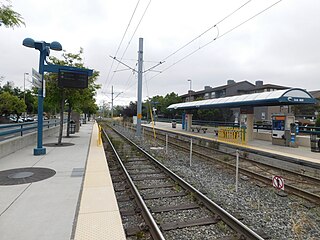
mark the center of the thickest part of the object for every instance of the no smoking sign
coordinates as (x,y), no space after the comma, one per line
(278,182)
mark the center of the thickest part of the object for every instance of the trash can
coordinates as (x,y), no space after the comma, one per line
(315,142)
(174,123)
(72,127)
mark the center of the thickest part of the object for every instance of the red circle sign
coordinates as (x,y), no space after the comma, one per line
(278,182)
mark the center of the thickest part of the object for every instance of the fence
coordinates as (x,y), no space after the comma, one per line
(8,129)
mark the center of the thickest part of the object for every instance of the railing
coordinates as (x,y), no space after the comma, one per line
(7,129)
(302,129)
(201,122)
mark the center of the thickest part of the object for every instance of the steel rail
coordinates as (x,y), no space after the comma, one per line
(230,220)
(267,180)
(153,226)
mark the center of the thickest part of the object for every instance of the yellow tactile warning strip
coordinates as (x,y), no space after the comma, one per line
(99,216)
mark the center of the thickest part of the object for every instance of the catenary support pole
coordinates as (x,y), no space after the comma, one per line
(112,102)
(139,104)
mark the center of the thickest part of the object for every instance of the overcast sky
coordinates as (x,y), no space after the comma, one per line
(280,46)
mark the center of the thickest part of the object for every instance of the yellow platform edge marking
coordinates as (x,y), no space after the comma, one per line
(99,216)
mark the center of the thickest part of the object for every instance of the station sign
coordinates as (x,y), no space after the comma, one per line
(72,79)
(36,79)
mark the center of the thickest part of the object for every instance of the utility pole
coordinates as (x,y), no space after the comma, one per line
(102,108)
(112,102)
(139,104)
(24,86)
(112,99)
(140,72)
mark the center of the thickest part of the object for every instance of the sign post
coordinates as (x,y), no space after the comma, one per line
(166,143)
(44,49)
(190,152)
(237,169)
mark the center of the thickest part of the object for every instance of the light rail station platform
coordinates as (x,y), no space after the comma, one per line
(300,153)
(75,199)
(68,192)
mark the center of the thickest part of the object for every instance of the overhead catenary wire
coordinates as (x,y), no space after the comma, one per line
(210,28)
(214,39)
(218,36)
(134,32)
(124,34)
(179,49)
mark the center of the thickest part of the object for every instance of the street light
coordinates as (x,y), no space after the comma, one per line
(24,86)
(44,49)
(189,80)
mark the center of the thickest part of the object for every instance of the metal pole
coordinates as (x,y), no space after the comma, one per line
(111,102)
(24,86)
(237,169)
(139,104)
(190,151)
(24,91)
(189,80)
(40,150)
(166,143)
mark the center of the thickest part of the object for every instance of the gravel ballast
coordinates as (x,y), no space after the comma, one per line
(258,206)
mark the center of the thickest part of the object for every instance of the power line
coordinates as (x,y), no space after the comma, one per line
(125,32)
(210,28)
(131,39)
(224,34)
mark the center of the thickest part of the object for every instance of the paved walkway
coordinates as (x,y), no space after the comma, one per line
(46,209)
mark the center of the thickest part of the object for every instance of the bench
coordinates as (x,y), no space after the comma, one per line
(199,128)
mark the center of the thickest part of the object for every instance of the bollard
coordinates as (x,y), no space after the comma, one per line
(99,137)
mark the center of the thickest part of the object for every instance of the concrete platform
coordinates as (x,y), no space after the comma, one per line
(47,209)
(300,153)
(99,216)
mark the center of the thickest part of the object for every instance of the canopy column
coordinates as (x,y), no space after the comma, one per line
(246,120)
(188,121)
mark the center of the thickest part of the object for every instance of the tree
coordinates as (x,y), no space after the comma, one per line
(130,111)
(8,17)
(81,100)
(28,95)
(10,104)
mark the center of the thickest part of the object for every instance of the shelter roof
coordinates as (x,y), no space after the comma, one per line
(293,96)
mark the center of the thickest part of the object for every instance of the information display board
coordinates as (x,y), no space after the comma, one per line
(72,79)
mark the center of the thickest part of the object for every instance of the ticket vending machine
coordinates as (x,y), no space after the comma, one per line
(284,130)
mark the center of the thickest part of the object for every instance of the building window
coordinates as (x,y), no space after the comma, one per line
(206,96)
(213,95)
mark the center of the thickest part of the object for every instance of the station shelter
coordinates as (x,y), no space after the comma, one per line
(247,103)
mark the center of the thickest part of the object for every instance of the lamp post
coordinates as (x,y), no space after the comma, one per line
(44,49)
(24,86)
(189,80)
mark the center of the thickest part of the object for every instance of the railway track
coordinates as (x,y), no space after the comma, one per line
(165,205)
(299,184)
